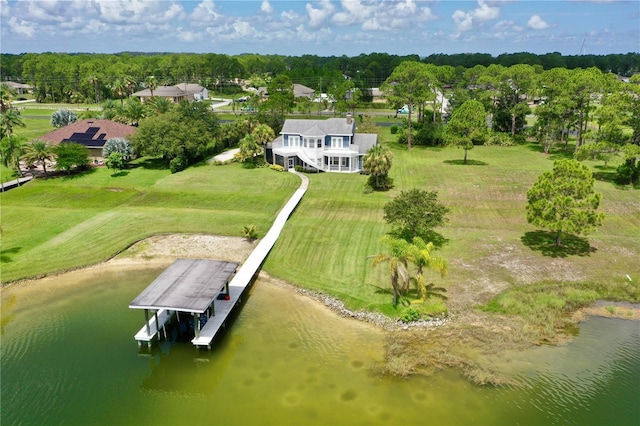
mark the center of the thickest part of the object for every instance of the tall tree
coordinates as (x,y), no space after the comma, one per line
(397,257)
(151,83)
(423,257)
(280,99)
(408,83)
(38,151)
(563,200)
(468,126)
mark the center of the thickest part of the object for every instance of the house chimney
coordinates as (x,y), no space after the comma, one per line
(349,118)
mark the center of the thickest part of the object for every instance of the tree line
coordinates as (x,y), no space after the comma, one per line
(82,77)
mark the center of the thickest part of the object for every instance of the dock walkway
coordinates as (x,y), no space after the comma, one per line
(248,270)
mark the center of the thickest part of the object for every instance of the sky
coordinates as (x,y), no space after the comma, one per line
(323,28)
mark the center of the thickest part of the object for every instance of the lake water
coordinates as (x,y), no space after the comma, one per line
(69,357)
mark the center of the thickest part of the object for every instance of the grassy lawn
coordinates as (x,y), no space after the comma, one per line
(328,240)
(57,224)
(487,240)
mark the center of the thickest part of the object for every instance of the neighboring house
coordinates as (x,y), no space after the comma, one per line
(198,92)
(300,91)
(325,145)
(19,88)
(174,93)
(91,133)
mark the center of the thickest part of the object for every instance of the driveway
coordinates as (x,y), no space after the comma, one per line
(225,156)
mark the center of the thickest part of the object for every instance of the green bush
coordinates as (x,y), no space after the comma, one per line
(394,129)
(499,139)
(410,314)
(299,169)
(177,164)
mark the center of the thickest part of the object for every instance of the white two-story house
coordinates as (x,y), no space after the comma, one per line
(323,145)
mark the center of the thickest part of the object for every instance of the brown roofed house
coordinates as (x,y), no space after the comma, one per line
(91,133)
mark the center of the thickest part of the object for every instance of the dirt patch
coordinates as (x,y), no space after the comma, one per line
(166,248)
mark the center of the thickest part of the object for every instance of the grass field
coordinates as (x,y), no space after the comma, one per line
(58,224)
(326,243)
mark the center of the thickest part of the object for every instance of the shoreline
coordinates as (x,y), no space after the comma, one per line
(465,340)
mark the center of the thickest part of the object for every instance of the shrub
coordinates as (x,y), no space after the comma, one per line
(120,145)
(277,167)
(499,139)
(410,314)
(63,117)
(177,164)
(394,129)
(299,169)
(250,232)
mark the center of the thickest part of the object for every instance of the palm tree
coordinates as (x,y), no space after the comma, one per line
(159,105)
(7,94)
(131,84)
(94,80)
(151,83)
(119,89)
(8,121)
(377,163)
(38,151)
(249,148)
(421,255)
(134,111)
(397,258)
(263,134)
(11,149)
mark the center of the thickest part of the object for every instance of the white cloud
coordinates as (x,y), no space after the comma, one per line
(537,23)
(266,7)
(205,12)
(484,12)
(318,16)
(507,26)
(4,8)
(22,28)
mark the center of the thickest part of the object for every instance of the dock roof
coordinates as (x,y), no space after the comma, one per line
(188,285)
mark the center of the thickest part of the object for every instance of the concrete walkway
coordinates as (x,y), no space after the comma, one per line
(225,156)
(5,186)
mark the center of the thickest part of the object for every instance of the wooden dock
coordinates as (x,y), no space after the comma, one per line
(250,268)
(192,286)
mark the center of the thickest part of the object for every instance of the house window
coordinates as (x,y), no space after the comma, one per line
(344,161)
(294,141)
(319,143)
(334,161)
(336,142)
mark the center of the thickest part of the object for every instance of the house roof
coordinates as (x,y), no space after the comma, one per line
(365,141)
(188,285)
(331,126)
(163,91)
(90,133)
(15,85)
(300,91)
(190,88)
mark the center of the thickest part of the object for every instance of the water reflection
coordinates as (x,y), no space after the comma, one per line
(68,356)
